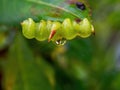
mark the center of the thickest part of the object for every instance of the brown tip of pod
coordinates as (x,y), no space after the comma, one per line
(52,33)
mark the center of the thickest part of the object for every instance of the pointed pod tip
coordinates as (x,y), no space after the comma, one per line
(52,33)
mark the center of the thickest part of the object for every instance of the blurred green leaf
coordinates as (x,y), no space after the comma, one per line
(17,10)
(83,47)
(22,71)
(82,64)
(60,7)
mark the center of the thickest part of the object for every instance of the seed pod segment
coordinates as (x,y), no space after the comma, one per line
(28,28)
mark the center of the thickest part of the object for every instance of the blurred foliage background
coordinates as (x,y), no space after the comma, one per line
(82,64)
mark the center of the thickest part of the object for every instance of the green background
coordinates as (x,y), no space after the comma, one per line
(81,64)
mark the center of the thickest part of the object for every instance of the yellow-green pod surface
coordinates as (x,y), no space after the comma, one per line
(55,31)
(41,32)
(84,29)
(67,27)
(28,28)
(48,27)
(57,28)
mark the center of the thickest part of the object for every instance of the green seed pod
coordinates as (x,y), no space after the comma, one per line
(56,31)
(48,27)
(56,28)
(68,29)
(28,28)
(41,32)
(84,29)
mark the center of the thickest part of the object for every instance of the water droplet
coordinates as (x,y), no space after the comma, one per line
(60,42)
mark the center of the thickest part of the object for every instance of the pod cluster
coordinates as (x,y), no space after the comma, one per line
(54,30)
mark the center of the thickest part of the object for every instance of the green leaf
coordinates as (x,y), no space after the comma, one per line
(17,10)
(22,71)
(84,49)
(63,6)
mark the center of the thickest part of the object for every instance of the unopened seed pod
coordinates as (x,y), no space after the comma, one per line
(55,30)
